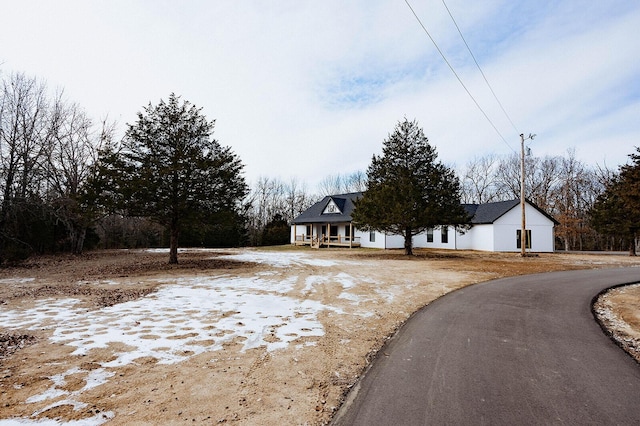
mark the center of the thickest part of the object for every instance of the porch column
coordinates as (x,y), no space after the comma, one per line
(350,235)
(328,235)
(295,234)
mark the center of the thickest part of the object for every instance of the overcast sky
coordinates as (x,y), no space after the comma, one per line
(306,89)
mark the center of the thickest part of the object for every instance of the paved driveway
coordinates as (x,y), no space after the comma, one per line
(523,350)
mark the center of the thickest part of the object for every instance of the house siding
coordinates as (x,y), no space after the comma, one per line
(364,239)
(420,240)
(382,241)
(394,241)
(506,227)
(479,237)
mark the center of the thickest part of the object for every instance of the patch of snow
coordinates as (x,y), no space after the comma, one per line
(345,280)
(97,420)
(186,318)
(106,282)
(93,379)
(185,249)
(278,259)
(350,296)
(157,250)
(312,281)
(16,280)
(50,393)
(317,262)
(96,378)
(388,296)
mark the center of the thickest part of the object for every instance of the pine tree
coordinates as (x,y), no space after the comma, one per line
(408,190)
(617,210)
(170,170)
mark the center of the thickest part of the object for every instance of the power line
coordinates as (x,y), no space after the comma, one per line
(478,65)
(458,77)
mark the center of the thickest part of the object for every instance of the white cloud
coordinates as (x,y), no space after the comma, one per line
(310,89)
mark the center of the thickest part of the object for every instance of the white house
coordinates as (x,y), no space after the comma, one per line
(495,227)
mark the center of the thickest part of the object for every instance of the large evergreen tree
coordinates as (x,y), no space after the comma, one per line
(172,171)
(408,191)
(616,211)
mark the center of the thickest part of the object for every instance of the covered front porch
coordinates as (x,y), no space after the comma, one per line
(319,235)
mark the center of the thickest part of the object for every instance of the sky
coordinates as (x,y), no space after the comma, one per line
(307,89)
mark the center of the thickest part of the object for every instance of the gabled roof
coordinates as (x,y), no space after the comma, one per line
(480,213)
(340,202)
(314,213)
(490,212)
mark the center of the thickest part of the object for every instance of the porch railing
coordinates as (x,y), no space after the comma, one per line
(327,239)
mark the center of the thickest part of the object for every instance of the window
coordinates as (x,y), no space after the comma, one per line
(429,235)
(444,235)
(308,230)
(372,236)
(527,238)
(347,231)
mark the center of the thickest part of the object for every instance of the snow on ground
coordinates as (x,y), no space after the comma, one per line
(278,259)
(16,280)
(185,317)
(96,420)
(182,319)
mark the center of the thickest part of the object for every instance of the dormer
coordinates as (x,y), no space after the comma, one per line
(332,207)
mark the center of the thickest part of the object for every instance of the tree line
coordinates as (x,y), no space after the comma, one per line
(562,186)
(67,183)
(47,150)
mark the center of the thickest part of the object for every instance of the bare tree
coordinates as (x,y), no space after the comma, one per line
(298,199)
(540,178)
(331,184)
(272,199)
(267,198)
(23,110)
(47,147)
(70,156)
(355,182)
(507,178)
(571,199)
(479,180)
(343,183)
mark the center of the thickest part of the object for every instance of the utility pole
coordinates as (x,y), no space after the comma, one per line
(523,231)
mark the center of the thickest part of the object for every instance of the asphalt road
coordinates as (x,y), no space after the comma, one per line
(516,351)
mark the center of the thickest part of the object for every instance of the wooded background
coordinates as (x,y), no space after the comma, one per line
(49,150)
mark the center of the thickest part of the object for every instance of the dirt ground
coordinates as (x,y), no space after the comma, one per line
(618,310)
(370,294)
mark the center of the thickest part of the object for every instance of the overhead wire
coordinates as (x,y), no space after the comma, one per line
(457,76)
(479,68)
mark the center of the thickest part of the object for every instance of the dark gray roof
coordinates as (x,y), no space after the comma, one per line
(490,212)
(480,213)
(314,213)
